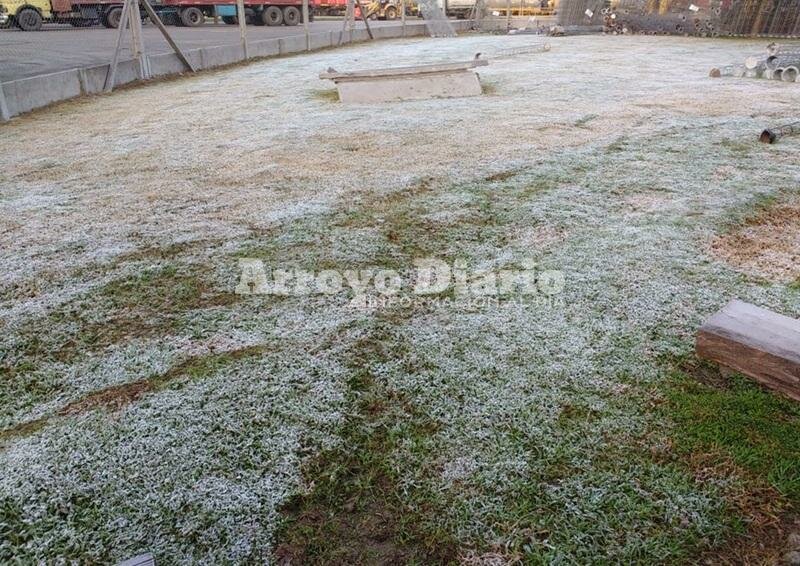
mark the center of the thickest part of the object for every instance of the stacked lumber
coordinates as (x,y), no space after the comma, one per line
(756,342)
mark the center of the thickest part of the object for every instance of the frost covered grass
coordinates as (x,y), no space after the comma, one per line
(143,406)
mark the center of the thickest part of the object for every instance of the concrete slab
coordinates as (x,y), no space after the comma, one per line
(293,44)
(26,94)
(264,48)
(442,85)
(220,56)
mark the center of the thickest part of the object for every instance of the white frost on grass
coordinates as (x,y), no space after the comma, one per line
(613,173)
(195,473)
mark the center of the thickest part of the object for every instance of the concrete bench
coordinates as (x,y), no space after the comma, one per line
(443,80)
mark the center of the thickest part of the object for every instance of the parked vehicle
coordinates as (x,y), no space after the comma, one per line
(30,15)
(277,12)
(193,13)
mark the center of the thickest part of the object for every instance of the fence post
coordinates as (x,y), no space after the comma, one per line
(240,15)
(5,115)
(305,25)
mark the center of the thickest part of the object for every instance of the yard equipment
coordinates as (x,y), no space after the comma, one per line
(385,9)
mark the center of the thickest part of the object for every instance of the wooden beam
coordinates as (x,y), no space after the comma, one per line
(112,70)
(756,342)
(364,18)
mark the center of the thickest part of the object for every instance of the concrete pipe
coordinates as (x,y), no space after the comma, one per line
(790,74)
(755,63)
(783,60)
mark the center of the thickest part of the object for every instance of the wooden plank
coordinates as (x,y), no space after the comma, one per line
(756,342)
(112,70)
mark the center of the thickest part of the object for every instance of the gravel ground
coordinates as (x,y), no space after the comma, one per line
(615,160)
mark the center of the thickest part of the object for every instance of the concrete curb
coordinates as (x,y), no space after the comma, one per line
(25,95)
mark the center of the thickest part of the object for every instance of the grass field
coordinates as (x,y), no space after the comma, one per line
(146,406)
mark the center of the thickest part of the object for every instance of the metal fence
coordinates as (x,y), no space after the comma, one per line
(51,50)
(778,18)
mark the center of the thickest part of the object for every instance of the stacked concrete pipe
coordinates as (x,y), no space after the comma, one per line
(780,64)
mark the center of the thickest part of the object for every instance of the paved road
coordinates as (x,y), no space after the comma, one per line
(58,48)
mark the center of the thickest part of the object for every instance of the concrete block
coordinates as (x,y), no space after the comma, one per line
(321,40)
(416,29)
(93,78)
(264,48)
(386,32)
(28,94)
(219,56)
(127,72)
(292,44)
(5,115)
(166,64)
(360,35)
(410,87)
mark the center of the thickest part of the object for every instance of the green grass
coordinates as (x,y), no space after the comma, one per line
(357,512)
(488,88)
(758,430)
(326,94)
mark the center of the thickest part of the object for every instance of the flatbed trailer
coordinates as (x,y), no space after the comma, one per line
(193,13)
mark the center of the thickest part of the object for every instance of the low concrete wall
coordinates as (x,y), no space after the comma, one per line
(27,94)
(24,95)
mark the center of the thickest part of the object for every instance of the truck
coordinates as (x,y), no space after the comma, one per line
(30,15)
(193,13)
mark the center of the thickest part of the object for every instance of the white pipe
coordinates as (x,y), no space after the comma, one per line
(790,74)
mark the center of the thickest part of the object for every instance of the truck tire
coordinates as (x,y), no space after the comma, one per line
(111,17)
(192,17)
(292,16)
(390,13)
(29,19)
(230,20)
(272,16)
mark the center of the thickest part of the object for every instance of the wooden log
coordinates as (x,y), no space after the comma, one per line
(756,342)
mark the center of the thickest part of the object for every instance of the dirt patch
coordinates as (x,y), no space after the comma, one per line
(767,244)
(767,523)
